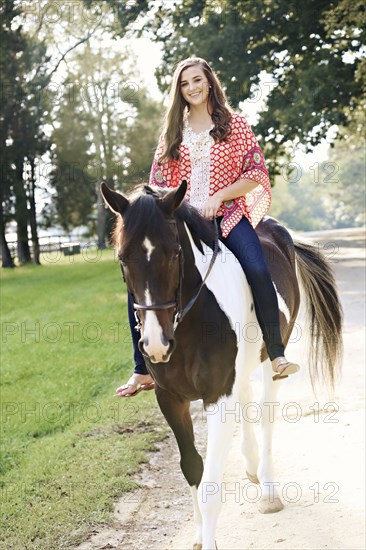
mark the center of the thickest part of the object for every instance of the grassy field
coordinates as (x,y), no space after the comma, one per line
(68,447)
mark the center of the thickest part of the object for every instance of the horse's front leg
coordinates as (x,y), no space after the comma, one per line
(270,501)
(179,419)
(221,419)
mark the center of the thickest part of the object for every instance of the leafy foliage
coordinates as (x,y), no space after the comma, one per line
(22,117)
(312,53)
(113,139)
(142,138)
(327,195)
(74,189)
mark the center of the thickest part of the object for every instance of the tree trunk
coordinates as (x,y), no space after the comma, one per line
(32,215)
(7,260)
(6,257)
(21,216)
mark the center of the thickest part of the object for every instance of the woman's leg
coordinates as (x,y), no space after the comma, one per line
(141,379)
(140,367)
(245,245)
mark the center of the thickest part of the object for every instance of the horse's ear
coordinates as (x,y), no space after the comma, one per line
(174,198)
(115,201)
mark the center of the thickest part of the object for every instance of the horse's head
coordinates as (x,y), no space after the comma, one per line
(148,248)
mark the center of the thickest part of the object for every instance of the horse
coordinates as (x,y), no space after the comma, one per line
(193,305)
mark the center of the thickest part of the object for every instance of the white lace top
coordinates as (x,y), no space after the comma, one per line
(199,146)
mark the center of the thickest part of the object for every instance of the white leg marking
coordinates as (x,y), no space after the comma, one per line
(270,501)
(149,248)
(153,333)
(197,515)
(249,445)
(211,489)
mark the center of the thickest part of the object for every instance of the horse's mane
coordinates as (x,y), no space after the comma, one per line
(145,212)
(202,230)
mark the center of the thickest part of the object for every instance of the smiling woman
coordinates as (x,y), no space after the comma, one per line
(195,88)
(216,152)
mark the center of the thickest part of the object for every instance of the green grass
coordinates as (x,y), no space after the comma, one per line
(68,447)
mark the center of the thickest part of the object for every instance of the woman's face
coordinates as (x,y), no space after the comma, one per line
(194,86)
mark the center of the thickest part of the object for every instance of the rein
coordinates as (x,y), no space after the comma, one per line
(180,312)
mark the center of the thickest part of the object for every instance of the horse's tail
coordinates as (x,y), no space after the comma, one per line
(323,311)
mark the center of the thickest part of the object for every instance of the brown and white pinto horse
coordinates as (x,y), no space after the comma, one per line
(192,330)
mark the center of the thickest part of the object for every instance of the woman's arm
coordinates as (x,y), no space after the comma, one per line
(254,171)
(237,189)
(156,176)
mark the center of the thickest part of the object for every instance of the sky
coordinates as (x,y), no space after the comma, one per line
(148,55)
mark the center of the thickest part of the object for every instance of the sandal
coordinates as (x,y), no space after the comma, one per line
(135,386)
(289,368)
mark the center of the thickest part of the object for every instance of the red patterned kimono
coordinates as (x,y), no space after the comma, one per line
(239,157)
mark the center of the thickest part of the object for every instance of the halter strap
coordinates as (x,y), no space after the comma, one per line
(181,313)
(167,305)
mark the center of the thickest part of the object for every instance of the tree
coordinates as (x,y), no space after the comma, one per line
(330,194)
(14,41)
(300,204)
(113,139)
(312,54)
(15,62)
(74,193)
(346,184)
(141,139)
(107,99)
(26,70)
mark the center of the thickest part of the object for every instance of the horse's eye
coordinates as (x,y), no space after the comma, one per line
(123,260)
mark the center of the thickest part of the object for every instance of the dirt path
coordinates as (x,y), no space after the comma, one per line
(318,450)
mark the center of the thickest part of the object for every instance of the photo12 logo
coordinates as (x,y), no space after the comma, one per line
(291,412)
(290,492)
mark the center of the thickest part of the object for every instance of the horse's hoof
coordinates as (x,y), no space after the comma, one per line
(270,505)
(197,546)
(253,478)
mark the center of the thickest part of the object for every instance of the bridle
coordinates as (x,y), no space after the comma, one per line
(180,311)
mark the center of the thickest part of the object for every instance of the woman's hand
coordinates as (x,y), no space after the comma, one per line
(212,206)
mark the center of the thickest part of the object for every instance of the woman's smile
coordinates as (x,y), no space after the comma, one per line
(194,85)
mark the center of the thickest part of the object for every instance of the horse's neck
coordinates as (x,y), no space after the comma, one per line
(225,271)
(226,281)
(191,273)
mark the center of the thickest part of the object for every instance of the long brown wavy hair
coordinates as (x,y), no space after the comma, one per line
(221,111)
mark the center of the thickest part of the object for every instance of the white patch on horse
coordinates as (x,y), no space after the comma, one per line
(149,247)
(226,281)
(282,305)
(153,333)
(231,289)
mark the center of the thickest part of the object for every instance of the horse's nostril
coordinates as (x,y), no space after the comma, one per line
(141,347)
(157,354)
(172,345)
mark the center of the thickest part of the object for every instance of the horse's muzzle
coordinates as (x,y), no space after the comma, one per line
(157,354)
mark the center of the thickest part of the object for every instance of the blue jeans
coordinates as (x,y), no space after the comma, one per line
(138,358)
(244,243)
